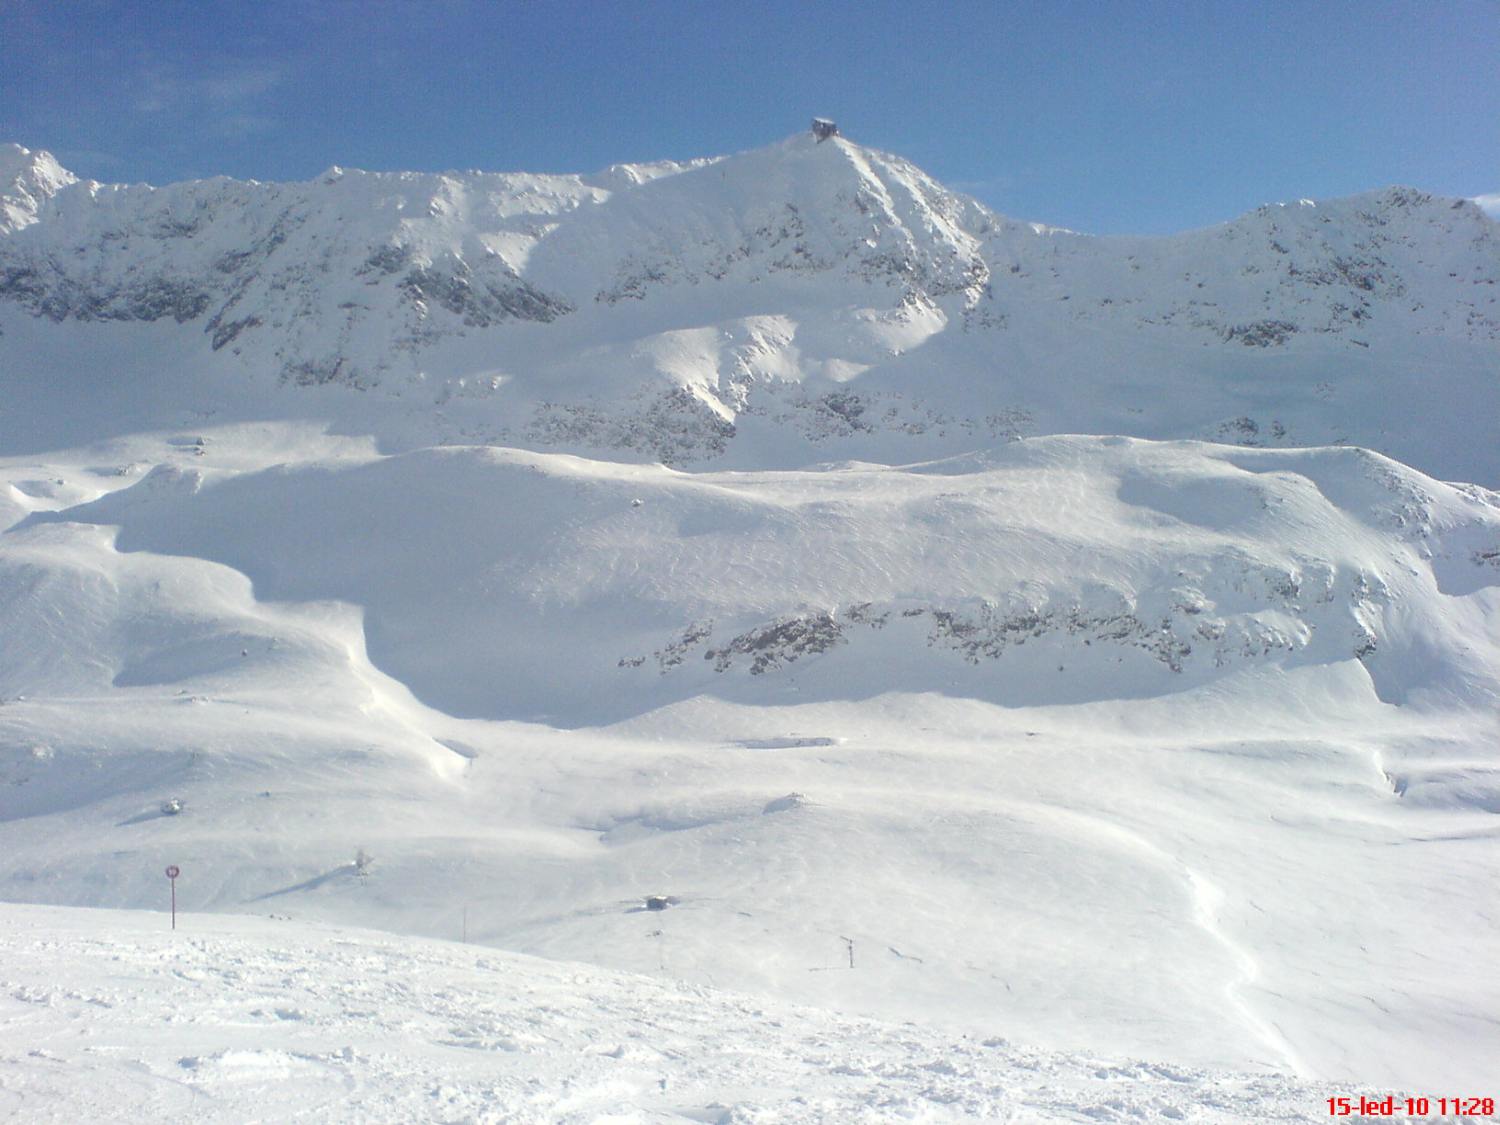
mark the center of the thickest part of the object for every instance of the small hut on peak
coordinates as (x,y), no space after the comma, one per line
(823,128)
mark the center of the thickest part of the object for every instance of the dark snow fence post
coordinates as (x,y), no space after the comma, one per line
(172,873)
(849,941)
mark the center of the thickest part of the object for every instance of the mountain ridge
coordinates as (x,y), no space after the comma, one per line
(822,295)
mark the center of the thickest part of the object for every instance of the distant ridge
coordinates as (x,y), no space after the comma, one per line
(826,291)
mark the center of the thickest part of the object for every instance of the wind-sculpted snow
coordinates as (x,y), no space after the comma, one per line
(1059,568)
(728,310)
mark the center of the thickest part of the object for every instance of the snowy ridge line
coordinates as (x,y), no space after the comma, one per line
(106,1016)
(791,303)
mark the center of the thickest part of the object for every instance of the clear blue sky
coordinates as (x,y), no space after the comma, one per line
(1105,116)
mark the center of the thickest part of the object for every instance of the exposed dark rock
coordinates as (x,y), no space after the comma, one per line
(780,642)
(224,332)
(675,426)
(1262,333)
(483,304)
(387,259)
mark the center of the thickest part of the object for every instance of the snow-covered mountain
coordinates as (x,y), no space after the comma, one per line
(27,180)
(792,543)
(799,302)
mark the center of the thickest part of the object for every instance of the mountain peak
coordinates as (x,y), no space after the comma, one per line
(27,180)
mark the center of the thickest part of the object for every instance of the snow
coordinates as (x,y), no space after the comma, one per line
(1180,562)
(27,180)
(797,303)
(110,1015)
(427,656)
(779,537)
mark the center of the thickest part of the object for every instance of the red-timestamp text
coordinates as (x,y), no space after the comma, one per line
(1393,1106)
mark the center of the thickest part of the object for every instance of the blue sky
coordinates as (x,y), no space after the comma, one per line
(1105,116)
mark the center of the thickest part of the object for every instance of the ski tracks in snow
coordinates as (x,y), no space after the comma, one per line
(1206,900)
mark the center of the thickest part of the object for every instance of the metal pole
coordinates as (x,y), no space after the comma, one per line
(172,873)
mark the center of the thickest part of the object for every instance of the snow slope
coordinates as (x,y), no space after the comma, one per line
(733,532)
(1146,568)
(1136,743)
(233,1019)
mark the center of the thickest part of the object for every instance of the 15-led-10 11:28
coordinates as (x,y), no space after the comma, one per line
(1391,1106)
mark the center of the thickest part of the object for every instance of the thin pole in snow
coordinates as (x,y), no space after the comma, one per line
(172,873)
